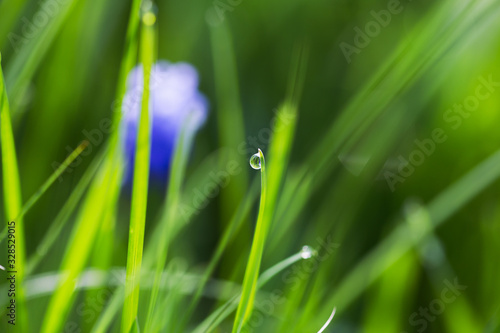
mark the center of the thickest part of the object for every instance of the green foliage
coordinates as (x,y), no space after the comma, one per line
(141,178)
(395,216)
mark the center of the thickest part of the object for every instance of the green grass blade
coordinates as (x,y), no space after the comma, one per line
(140,181)
(279,151)
(12,196)
(253,267)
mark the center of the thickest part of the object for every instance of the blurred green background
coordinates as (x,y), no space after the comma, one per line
(355,177)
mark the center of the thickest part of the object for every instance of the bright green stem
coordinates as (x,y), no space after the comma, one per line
(253,267)
(140,181)
(12,198)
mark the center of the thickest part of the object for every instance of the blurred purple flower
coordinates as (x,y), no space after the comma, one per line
(174,102)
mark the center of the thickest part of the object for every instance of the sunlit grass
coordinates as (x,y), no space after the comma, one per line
(12,195)
(186,248)
(141,178)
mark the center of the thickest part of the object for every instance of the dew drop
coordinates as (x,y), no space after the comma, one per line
(307,252)
(255,161)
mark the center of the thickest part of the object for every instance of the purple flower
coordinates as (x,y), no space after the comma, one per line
(174,102)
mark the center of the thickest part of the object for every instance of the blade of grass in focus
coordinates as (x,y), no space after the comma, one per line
(140,178)
(12,199)
(249,287)
(279,151)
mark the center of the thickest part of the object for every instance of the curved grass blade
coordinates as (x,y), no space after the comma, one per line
(141,178)
(252,271)
(279,153)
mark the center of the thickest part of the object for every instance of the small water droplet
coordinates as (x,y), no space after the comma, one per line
(307,252)
(255,161)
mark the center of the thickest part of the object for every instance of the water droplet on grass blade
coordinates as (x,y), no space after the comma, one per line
(307,252)
(255,161)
